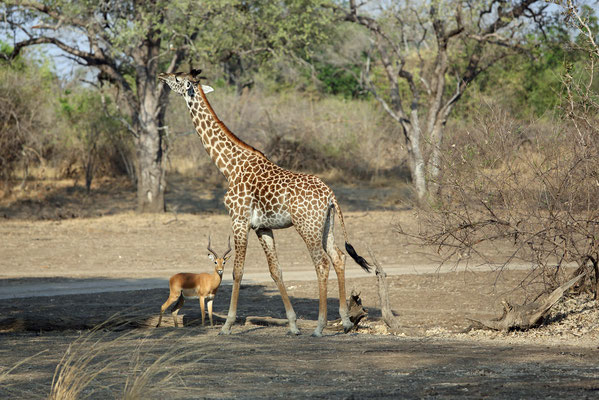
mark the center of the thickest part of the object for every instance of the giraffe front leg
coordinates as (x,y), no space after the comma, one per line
(267,240)
(240,232)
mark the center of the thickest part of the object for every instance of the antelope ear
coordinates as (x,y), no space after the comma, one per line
(227,257)
(211,257)
(207,89)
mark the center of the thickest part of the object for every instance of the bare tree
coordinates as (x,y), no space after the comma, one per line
(429,53)
(539,201)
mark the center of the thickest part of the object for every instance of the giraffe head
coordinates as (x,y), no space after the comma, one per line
(185,84)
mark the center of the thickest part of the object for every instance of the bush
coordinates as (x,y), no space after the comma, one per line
(92,142)
(514,193)
(66,131)
(26,116)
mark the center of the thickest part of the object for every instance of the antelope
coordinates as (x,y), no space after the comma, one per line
(192,286)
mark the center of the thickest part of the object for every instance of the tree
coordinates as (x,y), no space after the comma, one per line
(125,42)
(422,61)
(244,36)
(90,135)
(130,42)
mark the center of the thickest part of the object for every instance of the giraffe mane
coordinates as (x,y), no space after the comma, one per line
(230,134)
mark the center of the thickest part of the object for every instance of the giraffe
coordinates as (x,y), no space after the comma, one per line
(263,196)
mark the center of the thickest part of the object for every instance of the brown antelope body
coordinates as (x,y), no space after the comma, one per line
(196,286)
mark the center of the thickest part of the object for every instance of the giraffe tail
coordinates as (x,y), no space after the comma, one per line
(361,261)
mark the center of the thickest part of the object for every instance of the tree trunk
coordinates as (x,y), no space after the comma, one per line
(415,160)
(434,163)
(150,110)
(151,171)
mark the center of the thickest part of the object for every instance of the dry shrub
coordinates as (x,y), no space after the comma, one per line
(295,131)
(517,193)
(38,137)
(24,119)
(532,195)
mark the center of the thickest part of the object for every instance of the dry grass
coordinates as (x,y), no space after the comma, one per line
(95,366)
(296,131)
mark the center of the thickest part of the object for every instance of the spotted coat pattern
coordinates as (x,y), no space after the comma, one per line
(263,196)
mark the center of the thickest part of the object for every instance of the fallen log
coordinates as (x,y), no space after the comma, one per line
(524,317)
(356,313)
(266,321)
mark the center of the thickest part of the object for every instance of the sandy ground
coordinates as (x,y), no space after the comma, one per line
(61,277)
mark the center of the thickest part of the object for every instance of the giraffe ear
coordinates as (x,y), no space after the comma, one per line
(207,89)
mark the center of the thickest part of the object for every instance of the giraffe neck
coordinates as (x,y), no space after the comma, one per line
(224,148)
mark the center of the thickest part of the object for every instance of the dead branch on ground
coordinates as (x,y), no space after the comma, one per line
(527,316)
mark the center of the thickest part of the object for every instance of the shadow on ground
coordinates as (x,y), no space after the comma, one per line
(140,308)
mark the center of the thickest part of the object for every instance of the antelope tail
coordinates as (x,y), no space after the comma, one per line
(361,261)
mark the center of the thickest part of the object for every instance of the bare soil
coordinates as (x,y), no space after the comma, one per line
(119,264)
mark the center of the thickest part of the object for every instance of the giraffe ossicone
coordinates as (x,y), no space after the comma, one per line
(263,196)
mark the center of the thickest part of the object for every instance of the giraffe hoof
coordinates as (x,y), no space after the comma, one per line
(347,328)
(316,334)
(294,332)
(225,331)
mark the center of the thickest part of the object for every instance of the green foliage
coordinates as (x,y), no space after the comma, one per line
(246,36)
(93,138)
(339,81)
(85,116)
(5,50)
(528,84)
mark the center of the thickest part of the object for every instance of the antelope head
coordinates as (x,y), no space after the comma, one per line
(219,261)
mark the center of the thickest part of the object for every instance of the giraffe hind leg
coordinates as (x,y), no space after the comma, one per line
(322,265)
(338,259)
(311,231)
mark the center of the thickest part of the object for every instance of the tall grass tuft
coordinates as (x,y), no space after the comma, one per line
(80,365)
(94,364)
